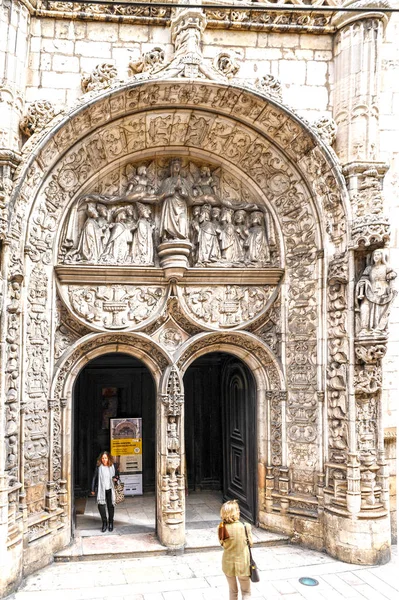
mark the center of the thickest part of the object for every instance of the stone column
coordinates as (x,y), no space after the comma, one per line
(356,517)
(171,464)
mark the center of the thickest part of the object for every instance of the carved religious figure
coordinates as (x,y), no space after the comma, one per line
(117,248)
(208,242)
(143,244)
(175,194)
(374,295)
(256,243)
(139,186)
(91,243)
(173,443)
(229,241)
(205,186)
(240,222)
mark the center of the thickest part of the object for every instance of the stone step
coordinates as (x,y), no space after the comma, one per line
(127,545)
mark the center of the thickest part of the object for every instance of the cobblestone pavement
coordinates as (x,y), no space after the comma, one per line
(197,576)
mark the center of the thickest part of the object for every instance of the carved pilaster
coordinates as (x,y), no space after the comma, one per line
(357,82)
(171,467)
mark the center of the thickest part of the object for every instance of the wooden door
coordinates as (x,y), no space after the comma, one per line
(239,437)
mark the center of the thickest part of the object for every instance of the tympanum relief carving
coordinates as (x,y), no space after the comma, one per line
(162,208)
(167,201)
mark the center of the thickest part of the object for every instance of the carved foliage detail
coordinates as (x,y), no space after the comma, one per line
(225,306)
(115,306)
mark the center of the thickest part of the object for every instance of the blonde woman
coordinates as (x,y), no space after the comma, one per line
(232,537)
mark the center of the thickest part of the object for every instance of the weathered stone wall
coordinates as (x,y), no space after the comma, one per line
(61,50)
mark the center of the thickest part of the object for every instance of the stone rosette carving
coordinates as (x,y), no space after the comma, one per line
(114,306)
(102,77)
(37,116)
(270,85)
(225,306)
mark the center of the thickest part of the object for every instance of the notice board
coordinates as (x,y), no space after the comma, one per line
(127,448)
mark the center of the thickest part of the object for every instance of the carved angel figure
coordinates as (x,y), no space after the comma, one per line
(374,295)
(139,186)
(205,186)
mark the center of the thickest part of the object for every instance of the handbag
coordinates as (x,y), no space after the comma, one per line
(119,491)
(253,569)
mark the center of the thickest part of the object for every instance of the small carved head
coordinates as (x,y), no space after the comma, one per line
(256,218)
(196,211)
(175,166)
(227,214)
(142,170)
(143,210)
(215,213)
(240,216)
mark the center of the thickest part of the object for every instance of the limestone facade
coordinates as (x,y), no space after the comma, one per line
(177,181)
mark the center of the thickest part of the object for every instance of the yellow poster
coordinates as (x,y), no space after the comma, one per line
(126,446)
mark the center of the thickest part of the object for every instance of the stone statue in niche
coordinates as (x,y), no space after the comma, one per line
(374,296)
(194,205)
(173,443)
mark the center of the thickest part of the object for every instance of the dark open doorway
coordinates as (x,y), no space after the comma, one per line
(118,386)
(220,429)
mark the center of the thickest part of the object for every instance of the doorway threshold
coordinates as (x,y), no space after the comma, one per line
(134,530)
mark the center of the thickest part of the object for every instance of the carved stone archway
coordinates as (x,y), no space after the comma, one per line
(265,155)
(139,346)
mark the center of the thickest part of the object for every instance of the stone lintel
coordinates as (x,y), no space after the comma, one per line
(94,274)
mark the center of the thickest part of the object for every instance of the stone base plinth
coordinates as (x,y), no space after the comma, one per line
(358,541)
(173,257)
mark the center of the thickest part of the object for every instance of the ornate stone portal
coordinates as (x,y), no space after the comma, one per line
(181,214)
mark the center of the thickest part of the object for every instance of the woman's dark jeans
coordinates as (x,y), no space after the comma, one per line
(111,508)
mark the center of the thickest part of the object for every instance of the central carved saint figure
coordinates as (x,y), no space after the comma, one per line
(175,193)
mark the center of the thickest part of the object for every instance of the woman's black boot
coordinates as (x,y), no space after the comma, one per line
(110,526)
(104,527)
